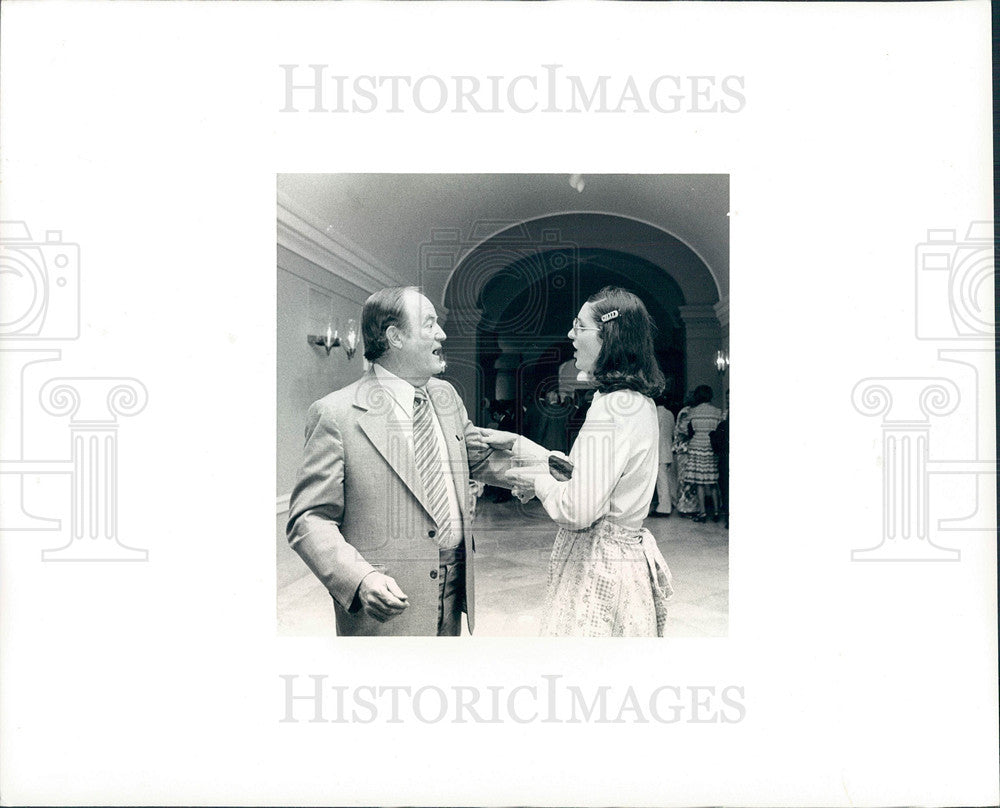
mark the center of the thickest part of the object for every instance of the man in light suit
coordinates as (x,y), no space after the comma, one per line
(369,514)
(666,471)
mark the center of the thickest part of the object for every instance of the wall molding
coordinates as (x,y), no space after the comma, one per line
(699,313)
(282,503)
(329,250)
(722,311)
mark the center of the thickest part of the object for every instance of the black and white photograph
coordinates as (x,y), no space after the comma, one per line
(579,319)
(367,374)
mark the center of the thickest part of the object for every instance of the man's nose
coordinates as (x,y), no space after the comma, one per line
(441,336)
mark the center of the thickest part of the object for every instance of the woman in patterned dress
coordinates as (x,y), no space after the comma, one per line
(702,463)
(606,574)
(687,491)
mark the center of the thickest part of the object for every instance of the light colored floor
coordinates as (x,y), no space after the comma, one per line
(513,543)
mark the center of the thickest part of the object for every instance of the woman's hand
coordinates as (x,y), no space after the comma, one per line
(522,480)
(497,439)
(474,441)
(478,438)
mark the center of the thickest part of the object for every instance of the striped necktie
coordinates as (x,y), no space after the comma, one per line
(428,457)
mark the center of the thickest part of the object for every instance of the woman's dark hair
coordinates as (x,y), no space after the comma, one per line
(382,309)
(626,360)
(702,394)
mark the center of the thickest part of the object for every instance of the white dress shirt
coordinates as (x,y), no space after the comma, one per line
(401,392)
(614,465)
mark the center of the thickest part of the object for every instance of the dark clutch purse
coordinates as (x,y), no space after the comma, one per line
(560,468)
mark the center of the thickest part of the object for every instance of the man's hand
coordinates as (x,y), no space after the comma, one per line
(381,596)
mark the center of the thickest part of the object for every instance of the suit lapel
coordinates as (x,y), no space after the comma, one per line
(389,434)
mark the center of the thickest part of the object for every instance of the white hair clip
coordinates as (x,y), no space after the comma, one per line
(609,316)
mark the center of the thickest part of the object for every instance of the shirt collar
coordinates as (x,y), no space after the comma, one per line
(400,389)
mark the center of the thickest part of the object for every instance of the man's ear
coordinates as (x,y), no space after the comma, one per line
(393,336)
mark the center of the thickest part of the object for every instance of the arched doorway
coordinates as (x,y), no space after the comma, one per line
(509,301)
(521,339)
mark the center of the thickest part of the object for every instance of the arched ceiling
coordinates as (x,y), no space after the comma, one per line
(390,215)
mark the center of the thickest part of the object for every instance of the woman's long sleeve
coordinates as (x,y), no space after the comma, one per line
(599,455)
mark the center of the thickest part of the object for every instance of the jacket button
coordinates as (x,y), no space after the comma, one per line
(434,574)
(432,533)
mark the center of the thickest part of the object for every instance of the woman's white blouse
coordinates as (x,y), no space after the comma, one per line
(614,465)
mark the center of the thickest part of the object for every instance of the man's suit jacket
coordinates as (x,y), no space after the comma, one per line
(359,504)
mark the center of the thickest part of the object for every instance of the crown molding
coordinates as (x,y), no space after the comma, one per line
(329,250)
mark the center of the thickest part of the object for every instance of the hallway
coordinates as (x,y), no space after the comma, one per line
(512,550)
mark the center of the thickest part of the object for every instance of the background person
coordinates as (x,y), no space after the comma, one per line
(666,474)
(720,445)
(687,491)
(702,467)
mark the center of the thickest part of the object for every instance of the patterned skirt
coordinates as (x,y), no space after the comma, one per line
(702,465)
(687,495)
(606,581)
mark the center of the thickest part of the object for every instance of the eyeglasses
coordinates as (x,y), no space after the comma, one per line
(578,326)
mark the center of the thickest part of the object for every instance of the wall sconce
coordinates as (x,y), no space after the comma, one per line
(332,339)
(721,361)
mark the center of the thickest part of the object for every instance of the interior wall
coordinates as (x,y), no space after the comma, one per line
(320,274)
(307,295)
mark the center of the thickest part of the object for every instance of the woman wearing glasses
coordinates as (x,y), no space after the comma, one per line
(606,574)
